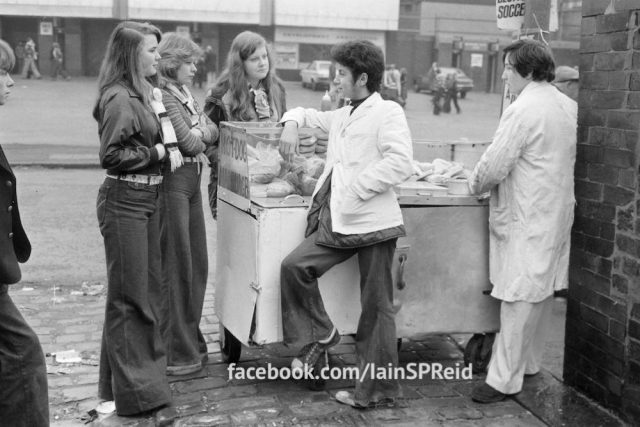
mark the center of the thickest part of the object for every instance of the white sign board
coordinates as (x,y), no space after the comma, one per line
(510,14)
(183,30)
(46,28)
(326,36)
(286,56)
(476,60)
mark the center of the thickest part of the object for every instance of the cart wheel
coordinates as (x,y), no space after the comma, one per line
(399,344)
(478,352)
(230,347)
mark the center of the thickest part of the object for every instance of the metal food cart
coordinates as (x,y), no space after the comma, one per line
(440,268)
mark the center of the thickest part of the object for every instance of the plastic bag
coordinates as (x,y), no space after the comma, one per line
(315,167)
(302,183)
(298,164)
(279,188)
(264,163)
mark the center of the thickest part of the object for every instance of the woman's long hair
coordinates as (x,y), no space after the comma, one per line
(121,62)
(175,50)
(234,79)
(7,58)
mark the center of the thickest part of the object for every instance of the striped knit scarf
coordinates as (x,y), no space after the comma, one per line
(183,95)
(169,138)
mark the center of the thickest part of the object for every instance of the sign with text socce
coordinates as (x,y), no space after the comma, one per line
(510,14)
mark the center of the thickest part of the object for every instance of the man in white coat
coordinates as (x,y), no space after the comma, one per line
(529,170)
(354,210)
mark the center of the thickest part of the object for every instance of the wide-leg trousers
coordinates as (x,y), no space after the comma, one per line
(24,399)
(184,264)
(304,318)
(132,359)
(519,345)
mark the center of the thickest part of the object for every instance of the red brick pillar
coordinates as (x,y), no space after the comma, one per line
(602,351)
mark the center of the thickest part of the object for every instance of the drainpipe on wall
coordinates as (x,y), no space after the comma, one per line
(121,10)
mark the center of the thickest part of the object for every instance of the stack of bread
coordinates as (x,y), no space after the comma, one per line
(321,144)
(307,145)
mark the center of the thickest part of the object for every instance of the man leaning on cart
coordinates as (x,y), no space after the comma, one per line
(353,211)
(529,170)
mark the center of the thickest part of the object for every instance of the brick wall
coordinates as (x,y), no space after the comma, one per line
(602,352)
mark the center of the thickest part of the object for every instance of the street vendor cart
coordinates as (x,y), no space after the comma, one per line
(441,267)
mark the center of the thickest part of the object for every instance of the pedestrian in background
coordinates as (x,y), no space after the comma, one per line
(248,90)
(396,76)
(210,65)
(353,211)
(439,91)
(57,62)
(529,170)
(30,66)
(200,78)
(24,399)
(404,91)
(182,231)
(19,51)
(567,81)
(132,360)
(450,93)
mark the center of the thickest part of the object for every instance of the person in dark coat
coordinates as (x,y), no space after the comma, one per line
(450,93)
(133,361)
(24,399)
(210,65)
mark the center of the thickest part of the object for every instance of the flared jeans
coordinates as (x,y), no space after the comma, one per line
(132,359)
(24,400)
(304,318)
(184,265)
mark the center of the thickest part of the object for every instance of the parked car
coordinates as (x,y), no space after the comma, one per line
(316,75)
(426,82)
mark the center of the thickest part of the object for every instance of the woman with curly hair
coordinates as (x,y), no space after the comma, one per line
(182,230)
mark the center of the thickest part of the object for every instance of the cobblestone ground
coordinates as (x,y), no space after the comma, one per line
(71,319)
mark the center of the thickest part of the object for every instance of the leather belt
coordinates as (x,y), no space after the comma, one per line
(140,179)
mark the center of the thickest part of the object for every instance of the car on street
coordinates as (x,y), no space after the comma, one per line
(316,75)
(426,82)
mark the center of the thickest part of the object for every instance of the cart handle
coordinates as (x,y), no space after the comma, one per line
(292,199)
(401,282)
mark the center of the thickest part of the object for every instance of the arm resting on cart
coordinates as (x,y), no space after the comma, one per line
(301,117)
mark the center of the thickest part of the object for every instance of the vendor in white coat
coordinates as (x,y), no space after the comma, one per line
(354,210)
(529,170)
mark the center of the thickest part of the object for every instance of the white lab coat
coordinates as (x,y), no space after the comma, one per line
(529,170)
(369,152)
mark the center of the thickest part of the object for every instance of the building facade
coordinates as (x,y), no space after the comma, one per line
(300,31)
(412,33)
(464,34)
(602,338)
